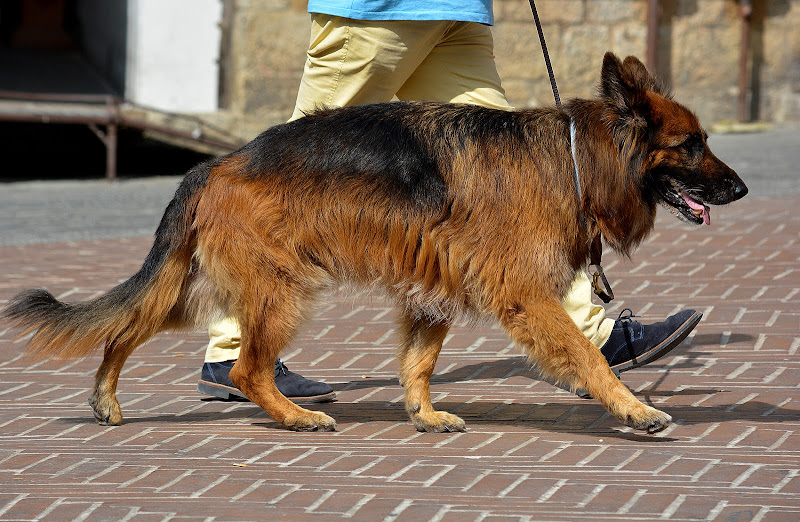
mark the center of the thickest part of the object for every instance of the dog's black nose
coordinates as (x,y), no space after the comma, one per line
(739,190)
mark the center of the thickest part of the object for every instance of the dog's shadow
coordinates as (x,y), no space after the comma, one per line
(587,419)
(587,416)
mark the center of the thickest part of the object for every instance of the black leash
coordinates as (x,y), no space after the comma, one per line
(604,292)
(546,54)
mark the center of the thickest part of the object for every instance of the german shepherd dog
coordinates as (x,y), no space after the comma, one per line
(452,209)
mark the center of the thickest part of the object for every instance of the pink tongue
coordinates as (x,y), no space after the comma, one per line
(694,205)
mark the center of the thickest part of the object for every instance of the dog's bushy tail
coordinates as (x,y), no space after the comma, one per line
(132,311)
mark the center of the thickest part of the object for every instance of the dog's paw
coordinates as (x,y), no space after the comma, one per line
(649,419)
(311,421)
(106,410)
(438,422)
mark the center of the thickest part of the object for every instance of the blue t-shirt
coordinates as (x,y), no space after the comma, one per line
(457,10)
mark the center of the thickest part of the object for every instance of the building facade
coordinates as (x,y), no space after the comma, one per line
(697,44)
(237,64)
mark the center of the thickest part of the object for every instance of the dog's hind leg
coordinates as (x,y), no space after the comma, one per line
(420,344)
(266,329)
(556,345)
(103,400)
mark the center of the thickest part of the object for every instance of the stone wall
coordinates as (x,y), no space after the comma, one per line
(698,53)
(268,42)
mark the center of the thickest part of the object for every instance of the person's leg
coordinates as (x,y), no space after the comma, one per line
(590,318)
(224,341)
(350,62)
(355,62)
(223,349)
(460,68)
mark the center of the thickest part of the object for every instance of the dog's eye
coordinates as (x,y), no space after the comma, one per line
(694,145)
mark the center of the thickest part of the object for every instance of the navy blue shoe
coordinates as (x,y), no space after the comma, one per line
(633,344)
(215,381)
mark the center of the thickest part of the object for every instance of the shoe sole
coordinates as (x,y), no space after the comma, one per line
(227,393)
(664,347)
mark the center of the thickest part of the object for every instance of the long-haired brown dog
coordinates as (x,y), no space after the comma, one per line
(452,209)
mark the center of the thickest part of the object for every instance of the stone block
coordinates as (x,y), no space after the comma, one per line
(711,12)
(520,93)
(615,11)
(518,52)
(270,55)
(629,39)
(581,56)
(550,11)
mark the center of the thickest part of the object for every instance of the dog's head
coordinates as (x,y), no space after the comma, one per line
(663,144)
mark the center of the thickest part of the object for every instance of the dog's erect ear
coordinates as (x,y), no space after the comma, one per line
(625,84)
(624,88)
(638,75)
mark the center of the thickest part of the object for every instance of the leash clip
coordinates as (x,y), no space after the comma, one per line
(605,293)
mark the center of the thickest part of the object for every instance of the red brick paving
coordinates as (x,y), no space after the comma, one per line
(531,452)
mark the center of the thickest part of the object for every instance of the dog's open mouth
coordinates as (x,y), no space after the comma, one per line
(685,205)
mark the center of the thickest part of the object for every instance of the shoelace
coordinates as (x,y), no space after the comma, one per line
(628,318)
(280,367)
(626,321)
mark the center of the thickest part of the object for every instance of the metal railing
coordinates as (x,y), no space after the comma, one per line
(96,110)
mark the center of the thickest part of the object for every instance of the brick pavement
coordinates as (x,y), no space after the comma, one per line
(531,452)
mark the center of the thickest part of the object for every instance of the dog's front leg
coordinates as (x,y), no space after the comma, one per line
(257,381)
(556,345)
(254,375)
(421,341)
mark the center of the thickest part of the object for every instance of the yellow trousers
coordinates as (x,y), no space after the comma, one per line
(354,62)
